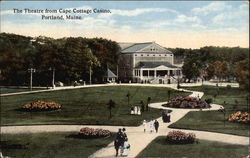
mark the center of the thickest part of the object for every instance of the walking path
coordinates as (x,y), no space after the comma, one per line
(137,138)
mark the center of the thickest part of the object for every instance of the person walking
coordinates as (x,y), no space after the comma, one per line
(126,148)
(144,124)
(151,126)
(118,141)
(124,137)
(156,124)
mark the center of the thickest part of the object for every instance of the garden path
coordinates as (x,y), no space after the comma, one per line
(137,138)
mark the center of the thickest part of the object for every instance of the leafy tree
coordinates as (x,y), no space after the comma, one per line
(242,73)
(111,104)
(128,96)
(148,102)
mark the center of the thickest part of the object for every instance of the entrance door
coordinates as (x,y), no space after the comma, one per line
(169,81)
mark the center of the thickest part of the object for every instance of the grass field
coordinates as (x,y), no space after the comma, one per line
(4,90)
(50,145)
(85,106)
(158,148)
(214,120)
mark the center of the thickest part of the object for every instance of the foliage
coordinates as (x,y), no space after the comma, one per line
(241,117)
(202,62)
(41,106)
(179,137)
(186,102)
(93,133)
(72,58)
(242,73)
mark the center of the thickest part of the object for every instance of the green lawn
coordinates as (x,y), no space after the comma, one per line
(85,106)
(54,145)
(204,149)
(4,90)
(214,120)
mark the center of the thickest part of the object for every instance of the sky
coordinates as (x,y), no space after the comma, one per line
(182,24)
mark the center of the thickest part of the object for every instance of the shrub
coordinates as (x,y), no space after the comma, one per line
(209,100)
(186,102)
(241,117)
(41,106)
(93,133)
(229,86)
(179,137)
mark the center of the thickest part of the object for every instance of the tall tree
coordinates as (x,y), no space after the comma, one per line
(242,73)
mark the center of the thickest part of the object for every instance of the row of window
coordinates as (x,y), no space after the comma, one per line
(157,73)
(153,55)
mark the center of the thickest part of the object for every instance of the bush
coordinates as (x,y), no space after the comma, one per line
(93,133)
(241,117)
(186,102)
(179,137)
(209,100)
(229,86)
(41,106)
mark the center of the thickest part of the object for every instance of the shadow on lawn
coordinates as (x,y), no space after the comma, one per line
(9,145)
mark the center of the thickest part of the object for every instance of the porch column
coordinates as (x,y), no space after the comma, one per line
(141,74)
(148,74)
(154,73)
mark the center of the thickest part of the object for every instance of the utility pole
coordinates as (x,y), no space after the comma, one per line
(90,79)
(117,73)
(53,76)
(31,70)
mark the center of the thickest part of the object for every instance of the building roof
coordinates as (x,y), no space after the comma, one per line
(125,45)
(143,47)
(109,74)
(154,65)
(136,47)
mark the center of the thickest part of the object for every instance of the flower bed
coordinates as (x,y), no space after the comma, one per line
(179,137)
(187,102)
(93,133)
(41,106)
(241,117)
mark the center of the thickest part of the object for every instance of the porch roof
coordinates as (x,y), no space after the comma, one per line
(154,65)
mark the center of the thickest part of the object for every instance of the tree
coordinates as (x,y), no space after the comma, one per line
(220,69)
(111,104)
(191,68)
(169,94)
(148,102)
(142,106)
(242,73)
(128,96)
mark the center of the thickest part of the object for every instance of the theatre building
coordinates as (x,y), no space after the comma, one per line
(147,63)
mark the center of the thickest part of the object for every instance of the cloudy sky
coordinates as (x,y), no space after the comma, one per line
(185,24)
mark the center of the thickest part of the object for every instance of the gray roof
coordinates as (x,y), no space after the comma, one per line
(154,65)
(136,47)
(109,74)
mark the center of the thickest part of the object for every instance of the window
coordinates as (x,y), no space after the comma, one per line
(135,54)
(141,54)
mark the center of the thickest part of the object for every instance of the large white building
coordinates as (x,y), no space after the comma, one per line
(148,63)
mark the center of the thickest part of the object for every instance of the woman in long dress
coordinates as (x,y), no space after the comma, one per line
(126,148)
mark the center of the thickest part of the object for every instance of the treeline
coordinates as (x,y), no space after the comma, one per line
(221,63)
(72,58)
